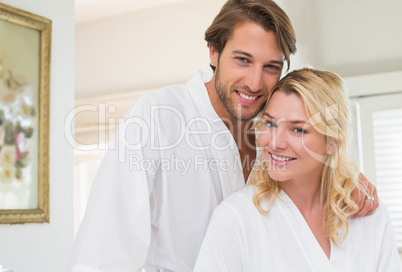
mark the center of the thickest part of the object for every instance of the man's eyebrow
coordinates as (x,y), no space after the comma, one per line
(243,53)
(277,62)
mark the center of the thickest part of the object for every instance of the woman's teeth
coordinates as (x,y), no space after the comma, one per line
(280,158)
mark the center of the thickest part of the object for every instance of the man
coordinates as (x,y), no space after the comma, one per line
(185,148)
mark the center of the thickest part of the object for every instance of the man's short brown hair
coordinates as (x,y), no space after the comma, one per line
(265,13)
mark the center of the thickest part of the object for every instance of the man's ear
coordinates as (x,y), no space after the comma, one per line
(213,55)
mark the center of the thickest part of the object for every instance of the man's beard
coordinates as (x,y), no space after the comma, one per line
(234,110)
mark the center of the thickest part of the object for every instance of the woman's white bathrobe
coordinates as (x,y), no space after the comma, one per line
(240,238)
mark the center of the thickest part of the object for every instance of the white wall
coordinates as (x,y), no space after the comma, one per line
(305,31)
(45,247)
(143,50)
(359,36)
(159,46)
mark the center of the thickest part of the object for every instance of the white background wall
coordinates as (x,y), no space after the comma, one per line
(359,36)
(142,50)
(159,46)
(44,247)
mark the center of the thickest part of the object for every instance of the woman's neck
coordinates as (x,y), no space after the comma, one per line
(305,195)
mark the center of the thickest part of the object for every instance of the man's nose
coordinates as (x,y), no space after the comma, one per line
(254,79)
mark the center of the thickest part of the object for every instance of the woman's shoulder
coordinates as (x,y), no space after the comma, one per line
(381,213)
(238,207)
(242,198)
(378,220)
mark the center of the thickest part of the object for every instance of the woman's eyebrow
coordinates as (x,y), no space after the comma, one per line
(292,121)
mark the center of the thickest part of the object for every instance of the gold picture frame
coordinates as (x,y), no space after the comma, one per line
(25,48)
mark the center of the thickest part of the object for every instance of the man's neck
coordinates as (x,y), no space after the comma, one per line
(240,130)
(245,141)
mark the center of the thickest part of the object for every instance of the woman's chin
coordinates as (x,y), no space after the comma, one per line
(278,176)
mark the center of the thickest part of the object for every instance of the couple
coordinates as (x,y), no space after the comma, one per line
(157,218)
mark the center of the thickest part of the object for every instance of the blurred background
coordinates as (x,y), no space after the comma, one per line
(105,54)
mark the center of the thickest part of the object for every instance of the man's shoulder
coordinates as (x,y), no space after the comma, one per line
(180,100)
(178,94)
(174,96)
(165,95)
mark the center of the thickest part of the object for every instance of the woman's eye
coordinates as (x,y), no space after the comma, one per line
(299,130)
(269,124)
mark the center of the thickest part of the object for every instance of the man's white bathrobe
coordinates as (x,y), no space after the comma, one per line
(240,238)
(172,163)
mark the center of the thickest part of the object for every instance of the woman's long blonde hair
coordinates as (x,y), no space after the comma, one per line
(327,107)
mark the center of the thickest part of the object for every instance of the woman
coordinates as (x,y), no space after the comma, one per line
(294,214)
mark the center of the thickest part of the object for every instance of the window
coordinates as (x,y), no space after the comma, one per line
(95,119)
(378,127)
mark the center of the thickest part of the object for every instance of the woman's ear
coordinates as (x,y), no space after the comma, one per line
(331,147)
(213,55)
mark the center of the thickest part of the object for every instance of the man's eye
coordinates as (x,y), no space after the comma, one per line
(242,59)
(273,67)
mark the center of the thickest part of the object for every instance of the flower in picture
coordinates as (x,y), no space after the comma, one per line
(8,133)
(21,144)
(25,107)
(17,114)
(8,155)
(27,131)
(7,97)
(18,83)
(2,117)
(23,161)
(2,133)
(7,173)
(11,87)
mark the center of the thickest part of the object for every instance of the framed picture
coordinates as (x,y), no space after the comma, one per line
(25,43)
